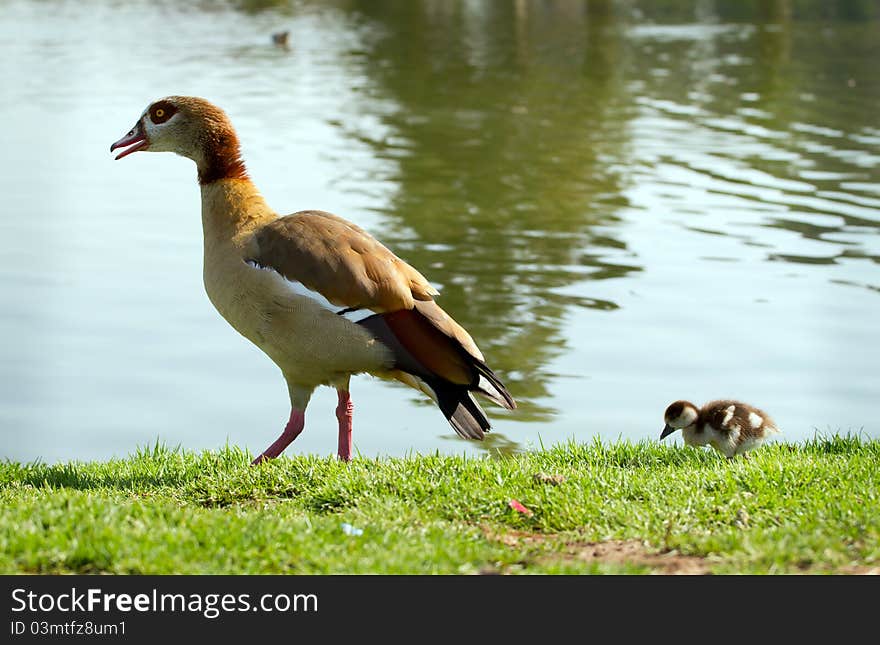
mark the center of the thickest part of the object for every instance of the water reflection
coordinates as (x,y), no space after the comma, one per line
(760,127)
(506,156)
(605,192)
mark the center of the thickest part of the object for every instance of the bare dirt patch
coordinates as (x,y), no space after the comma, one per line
(635,553)
(856,570)
(615,552)
(631,552)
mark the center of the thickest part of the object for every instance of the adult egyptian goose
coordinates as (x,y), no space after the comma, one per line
(730,427)
(320,296)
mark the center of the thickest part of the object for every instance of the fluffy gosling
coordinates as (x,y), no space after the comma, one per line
(730,427)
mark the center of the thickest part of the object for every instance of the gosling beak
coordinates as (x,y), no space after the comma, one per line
(667,430)
(136,139)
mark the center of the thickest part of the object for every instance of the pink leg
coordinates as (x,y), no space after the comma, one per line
(344,412)
(291,431)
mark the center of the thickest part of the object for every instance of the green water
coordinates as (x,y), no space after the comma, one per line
(624,203)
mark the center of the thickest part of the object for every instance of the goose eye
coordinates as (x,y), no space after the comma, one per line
(161,113)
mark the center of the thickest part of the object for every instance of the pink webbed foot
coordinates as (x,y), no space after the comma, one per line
(344,413)
(291,431)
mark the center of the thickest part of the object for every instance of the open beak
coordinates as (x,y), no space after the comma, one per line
(667,430)
(136,139)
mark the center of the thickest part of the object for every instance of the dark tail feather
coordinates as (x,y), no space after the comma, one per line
(453,399)
(458,406)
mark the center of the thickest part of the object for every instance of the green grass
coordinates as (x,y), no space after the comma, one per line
(810,507)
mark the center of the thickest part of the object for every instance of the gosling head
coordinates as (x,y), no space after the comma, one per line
(680,414)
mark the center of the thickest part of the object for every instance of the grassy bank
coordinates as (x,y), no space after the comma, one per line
(594,508)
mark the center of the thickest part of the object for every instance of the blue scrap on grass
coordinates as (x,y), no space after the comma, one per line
(348,529)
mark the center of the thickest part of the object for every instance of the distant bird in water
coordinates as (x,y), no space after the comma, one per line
(730,427)
(319,295)
(281,38)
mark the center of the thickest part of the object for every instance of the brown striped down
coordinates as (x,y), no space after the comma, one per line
(715,414)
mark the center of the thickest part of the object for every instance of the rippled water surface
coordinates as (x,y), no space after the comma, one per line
(622,208)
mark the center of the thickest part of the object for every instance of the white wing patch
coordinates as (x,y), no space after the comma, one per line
(755,420)
(357,315)
(728,415)
(354,315)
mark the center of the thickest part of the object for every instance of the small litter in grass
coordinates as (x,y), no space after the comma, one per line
(547,478)
(519,508)
(348,529)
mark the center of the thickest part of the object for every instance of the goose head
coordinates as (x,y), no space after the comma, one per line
(191,127)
